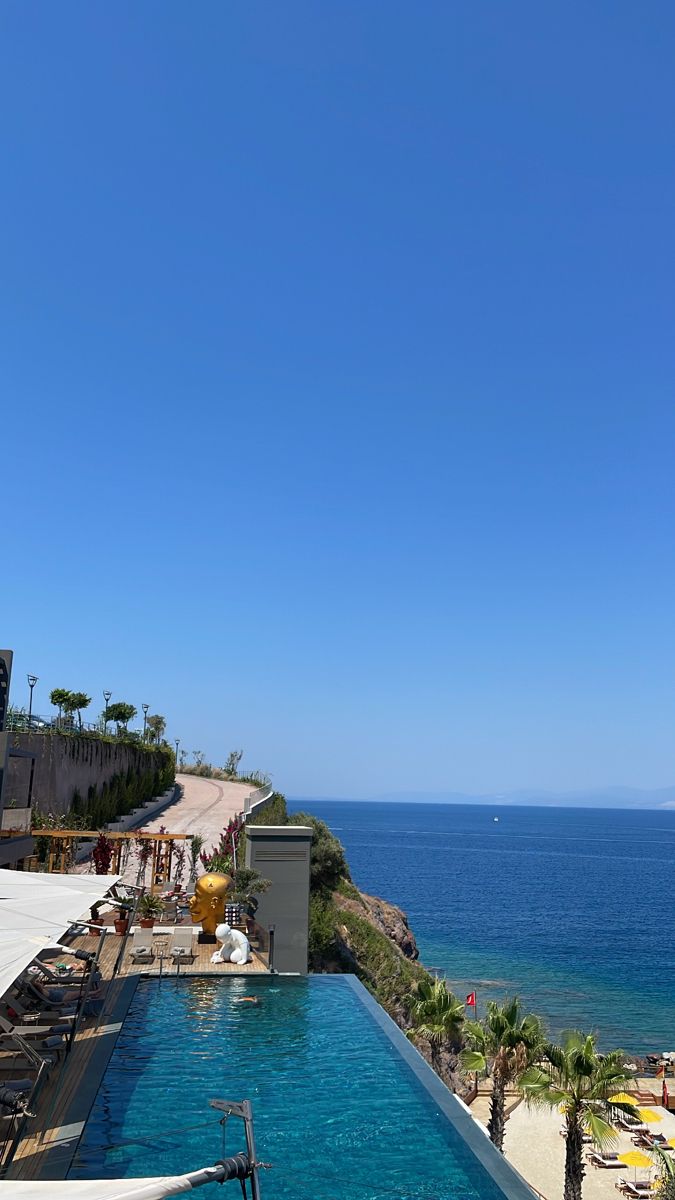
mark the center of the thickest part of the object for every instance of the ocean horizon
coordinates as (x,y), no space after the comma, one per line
(570,908)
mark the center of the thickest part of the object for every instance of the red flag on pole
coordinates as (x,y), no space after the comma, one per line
(664,1094)
(660,1072)
(471,999)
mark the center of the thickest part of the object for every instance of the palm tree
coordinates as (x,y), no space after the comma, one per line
(437,1017)
(576,1079)
(508,1040)
(665,1188)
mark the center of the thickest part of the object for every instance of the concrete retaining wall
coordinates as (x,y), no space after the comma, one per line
(137,818)
(64,765)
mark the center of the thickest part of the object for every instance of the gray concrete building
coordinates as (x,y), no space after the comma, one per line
(281,853)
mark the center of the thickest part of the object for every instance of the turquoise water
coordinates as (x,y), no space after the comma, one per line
(337,1111)
(570,908)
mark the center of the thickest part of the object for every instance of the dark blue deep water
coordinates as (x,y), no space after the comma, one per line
(570,908)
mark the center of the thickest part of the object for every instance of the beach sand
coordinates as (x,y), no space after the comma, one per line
(533,1145)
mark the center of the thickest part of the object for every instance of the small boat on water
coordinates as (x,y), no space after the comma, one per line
(495,818)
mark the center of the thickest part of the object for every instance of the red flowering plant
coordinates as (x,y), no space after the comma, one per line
(221,857)
(102,855)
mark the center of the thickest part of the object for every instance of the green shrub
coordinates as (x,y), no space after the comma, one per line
(328,864)
(322,927)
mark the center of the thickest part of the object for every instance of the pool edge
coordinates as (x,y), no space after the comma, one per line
(503,1174)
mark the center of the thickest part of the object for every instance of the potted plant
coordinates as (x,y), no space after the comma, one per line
(248,885)
(122,916)
(94,918)
(149,909)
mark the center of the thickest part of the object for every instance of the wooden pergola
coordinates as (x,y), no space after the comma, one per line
(60,850)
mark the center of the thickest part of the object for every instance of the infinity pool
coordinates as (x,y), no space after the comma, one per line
(339,1112)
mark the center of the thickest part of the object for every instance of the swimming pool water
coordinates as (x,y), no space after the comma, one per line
(337,1110)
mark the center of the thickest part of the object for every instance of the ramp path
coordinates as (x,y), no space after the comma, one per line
(205,807)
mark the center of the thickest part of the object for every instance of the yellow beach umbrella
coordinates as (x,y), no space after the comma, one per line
(671,1142)
(622,1098)
(650,1116)
(635,1158)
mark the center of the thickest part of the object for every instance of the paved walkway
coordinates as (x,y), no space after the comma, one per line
(205,807)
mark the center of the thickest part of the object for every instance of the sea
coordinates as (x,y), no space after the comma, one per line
(571,909)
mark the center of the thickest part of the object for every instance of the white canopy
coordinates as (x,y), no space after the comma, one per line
(109,1189)
(36,910)
(97,1189)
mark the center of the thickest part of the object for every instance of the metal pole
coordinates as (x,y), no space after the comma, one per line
(106,697)
(250,1146)
(145,708)
(177,745)
(131,921)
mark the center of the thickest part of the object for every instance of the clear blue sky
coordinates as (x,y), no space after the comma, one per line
(337,373)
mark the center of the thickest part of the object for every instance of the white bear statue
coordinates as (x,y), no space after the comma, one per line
(234,948)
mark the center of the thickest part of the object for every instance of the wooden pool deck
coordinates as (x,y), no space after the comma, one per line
(50,1138)
(201,965)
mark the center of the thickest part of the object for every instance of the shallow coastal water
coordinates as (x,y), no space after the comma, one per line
(571,908)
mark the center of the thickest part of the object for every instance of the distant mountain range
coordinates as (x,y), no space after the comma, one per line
(610,797)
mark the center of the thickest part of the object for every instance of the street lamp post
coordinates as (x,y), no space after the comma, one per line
(177,745)
(32,680)
(145,708)
(106,697)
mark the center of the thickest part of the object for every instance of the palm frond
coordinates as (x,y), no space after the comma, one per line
(473,1060)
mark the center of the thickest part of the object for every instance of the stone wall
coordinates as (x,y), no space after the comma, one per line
(64,765)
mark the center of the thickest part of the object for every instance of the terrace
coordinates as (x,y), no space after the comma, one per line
(58,1056)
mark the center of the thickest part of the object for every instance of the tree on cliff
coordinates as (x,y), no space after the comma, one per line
(437,1016)
(59,697)
(75,702)
(579,1082)
(121,713)
(156,725)
(233,759)
(328,865)
(508,1041)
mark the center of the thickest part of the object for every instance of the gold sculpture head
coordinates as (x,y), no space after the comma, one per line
(208,903)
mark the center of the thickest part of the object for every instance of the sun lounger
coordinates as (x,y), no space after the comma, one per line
(604,1160)
(39,1001)
(629,1187)
(180,948)
(141,946)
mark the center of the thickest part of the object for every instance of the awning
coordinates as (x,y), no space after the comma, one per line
(97,1189)
(36,910)
(156,1188)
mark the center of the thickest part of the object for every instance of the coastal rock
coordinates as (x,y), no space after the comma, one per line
(387,918)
